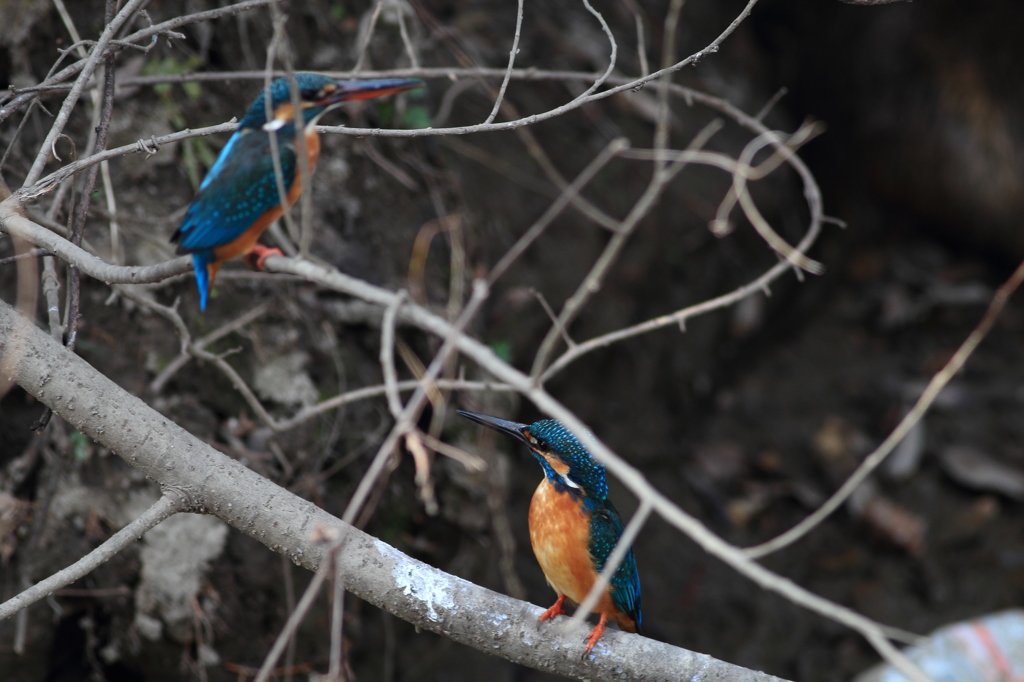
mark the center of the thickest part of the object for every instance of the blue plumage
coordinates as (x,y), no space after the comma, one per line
(239,188)
(605,530)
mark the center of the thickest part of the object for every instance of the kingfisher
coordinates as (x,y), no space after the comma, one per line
(573,524)
(238,199)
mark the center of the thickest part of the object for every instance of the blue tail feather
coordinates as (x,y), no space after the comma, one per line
(199,262)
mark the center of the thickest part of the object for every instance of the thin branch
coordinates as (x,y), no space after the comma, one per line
(626,84)
(169,504)
(366,35)
(56,81)
(770,104)
(15,224)
(387,355)
(403,424)
(623,84)
(104,106)
(168,372)
(466,459)
(738,192)
(813,196)
(46,184)
(299,139)
(98,52)
(592,282)
(614,148)
(403,31)
(909,421)
(46,491)
(612,57)
(150,146)
(381,389)
(511,64)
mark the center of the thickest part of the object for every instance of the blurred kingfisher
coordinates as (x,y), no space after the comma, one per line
(573,525)
(238,199)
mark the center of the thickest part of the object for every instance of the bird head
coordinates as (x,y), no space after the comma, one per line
(318,94)
(566,463)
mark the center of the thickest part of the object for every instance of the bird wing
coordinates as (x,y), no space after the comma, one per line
(239,188)
(605,530)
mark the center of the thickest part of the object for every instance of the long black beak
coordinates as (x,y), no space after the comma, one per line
(514,429)
(352,90)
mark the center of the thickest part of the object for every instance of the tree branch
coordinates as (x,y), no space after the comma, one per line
(425,596)
(19,226)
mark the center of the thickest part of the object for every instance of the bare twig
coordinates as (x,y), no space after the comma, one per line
(738,192)
(586,175)
(387,355)
(923,404)
(403,424)
(511,64)
(105,110)
(150,146)
(169,504)
(365,35)
(55,463)
(247,318)
(55,81)
(380,390)
(15,224)
(98,52)
(680,317)
(403,30)
(592,283)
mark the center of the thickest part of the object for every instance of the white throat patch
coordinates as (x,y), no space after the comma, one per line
(568,481)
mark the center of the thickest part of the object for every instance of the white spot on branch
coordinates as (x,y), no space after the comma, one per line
(432,590)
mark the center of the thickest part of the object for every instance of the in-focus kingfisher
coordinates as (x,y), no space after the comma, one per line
(573,525)
(238,199)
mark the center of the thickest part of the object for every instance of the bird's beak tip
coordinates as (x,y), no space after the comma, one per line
(349,91)
(512,428)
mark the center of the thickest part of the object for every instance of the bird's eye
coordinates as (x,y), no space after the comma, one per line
(540,443)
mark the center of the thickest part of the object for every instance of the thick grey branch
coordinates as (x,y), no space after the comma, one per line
(372,570)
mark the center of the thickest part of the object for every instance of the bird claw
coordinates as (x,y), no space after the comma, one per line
(555,610)
(595,634)
(256,258)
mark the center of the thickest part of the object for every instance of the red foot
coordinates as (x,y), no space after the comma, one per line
(595,634)
(555,610)
(255,258)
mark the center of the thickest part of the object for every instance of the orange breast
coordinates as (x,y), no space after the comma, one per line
(244,244)
(560,535)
